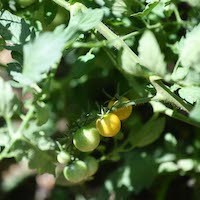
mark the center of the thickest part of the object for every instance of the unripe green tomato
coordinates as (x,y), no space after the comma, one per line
(25,3)
(63,157)
(86,139)
(76,172)
(92,165)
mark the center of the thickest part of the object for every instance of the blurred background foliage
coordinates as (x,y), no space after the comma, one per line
(166,169)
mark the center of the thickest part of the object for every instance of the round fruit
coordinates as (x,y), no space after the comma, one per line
(63,157)
(109,125)
(75,172)
(92,165)
(86,139)
(123,112)
(25,3)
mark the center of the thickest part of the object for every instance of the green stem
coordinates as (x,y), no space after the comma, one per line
(176,115)
(17,135)
(165,94)
(117,41)
(25,121)
(9,125)
(177,15)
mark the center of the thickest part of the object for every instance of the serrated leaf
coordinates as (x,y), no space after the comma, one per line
(40,56)
(150,54)
(13,29)
(190,50)
(148,133)
(86,20)
(119,7)
(148,8)
(7,96)
(190,94)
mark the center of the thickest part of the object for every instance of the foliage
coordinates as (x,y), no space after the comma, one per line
(70,58)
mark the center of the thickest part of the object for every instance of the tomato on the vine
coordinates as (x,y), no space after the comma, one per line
(92,165)
(63,157)
(75,172)
(86,139)
(123,112)
(108,125)
(25,3)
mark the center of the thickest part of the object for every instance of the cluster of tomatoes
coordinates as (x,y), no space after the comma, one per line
(88,138)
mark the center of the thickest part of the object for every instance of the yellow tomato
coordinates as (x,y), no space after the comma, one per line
(123,112)
(108,125)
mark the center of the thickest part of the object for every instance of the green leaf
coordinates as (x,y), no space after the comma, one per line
(119,7)
(190,50)
(86,20)
(195,113)
(40,56)
(148,133)
(13,29)
(39,135)
(128,64)
(150,54)
(137,173)
(192,78)
(148,8)
(42,161)
(7,96)
(179,73)
(190,94)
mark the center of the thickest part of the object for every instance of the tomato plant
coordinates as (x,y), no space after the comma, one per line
(63,62)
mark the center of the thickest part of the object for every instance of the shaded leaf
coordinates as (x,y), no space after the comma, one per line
(190,94)
(150,54)
(40,56)
(148,8)
(148,133)
(13,28)
(190,50)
